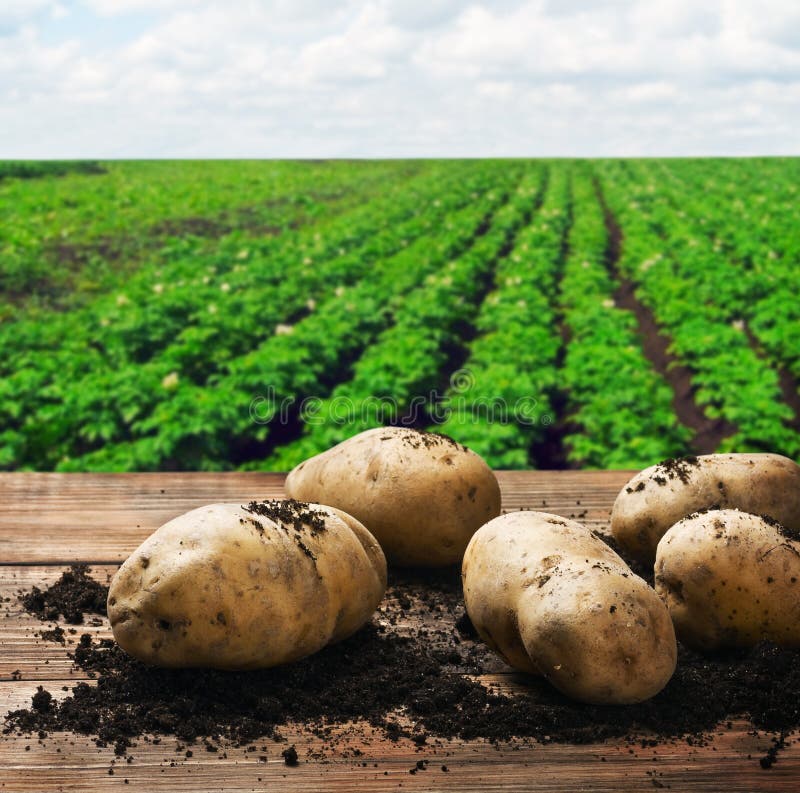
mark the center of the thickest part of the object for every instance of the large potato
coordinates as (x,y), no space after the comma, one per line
(659,496)
(242,587)
(421,494)
(730,579)
(553,599)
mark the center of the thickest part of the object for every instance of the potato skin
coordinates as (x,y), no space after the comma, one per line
(553,599)
(659,496)
(225,588)
(730,579)
(421,495)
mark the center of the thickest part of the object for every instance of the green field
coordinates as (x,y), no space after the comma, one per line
(247,314)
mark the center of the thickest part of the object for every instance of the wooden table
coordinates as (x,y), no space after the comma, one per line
(48,520)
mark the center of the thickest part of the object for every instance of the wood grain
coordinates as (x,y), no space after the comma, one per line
(67,762)
(48,519)
(53,518)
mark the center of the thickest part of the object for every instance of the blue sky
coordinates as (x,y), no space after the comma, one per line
(398,78)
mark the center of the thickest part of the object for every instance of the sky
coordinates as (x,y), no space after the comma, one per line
(398,78)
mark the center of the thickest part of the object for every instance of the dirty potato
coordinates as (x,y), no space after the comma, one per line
(553,599)
(421,494)
(659,496)
(731,579)
(228,586)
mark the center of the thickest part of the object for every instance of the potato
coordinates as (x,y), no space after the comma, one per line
(553,599)
(243,587)
(659,496)
(421,494)
(730,579)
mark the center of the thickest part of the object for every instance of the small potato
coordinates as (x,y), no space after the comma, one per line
(421,494)
(659,496)
(730,579)
(246,587)
(553,599)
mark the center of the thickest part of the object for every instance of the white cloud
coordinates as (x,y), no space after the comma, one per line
(120,7)
(424,15)
(676,18)
(394,78)
(364,50)
(654,92)
(14,14)
(499,89)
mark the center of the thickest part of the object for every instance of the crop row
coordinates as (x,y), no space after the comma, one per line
(554,345)
(691,288)
(758,237)
(64,239)
(398,377)
(90,389)
(133,324)
(500,404)
(622,408)
(208,425)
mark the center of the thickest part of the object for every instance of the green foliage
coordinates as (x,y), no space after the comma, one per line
(408,359)
(65,240)
(505,402)
(717,269)
(22,169)
(145,306)
(622,408)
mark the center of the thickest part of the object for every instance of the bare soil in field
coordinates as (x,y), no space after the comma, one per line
(790,389)
(708,433)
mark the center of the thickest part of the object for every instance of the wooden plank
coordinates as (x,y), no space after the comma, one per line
(68,762)
(53,518)
(46,519)
(364,760)
(56,517)
(23,652)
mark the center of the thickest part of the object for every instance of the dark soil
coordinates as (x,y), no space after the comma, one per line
(416,439)
(191,226)
(290,756)
(708,433)
(409,681)
(676,468)
(289,512)
(790,388)
(56,634)
(549,450)
(74,594)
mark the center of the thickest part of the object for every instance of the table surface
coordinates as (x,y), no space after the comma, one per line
(49,520)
